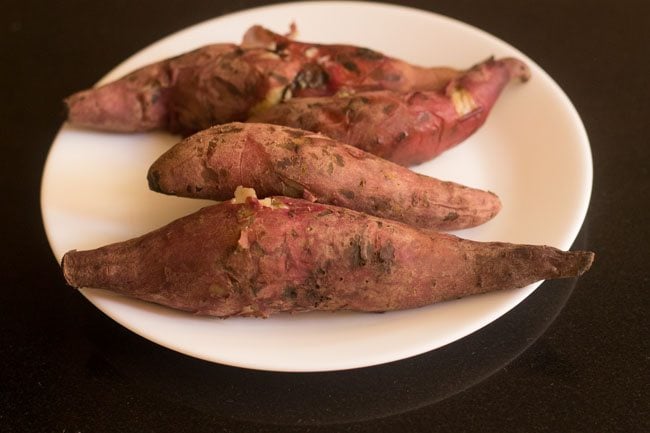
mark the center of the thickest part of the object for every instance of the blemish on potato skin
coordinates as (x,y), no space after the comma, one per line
(356,253)
(290,293)
(285,163)
(291,188)
(212,145)
(389,109)
(419,200)
(230,87)
(350,66)
(347,194)
(294,133)
(339,160)
(368,54)
(210,176)
(311,76)
(386,256)
(451,216)
(217,290)
(381,75)
(290,145)
(257,249)
(380,204)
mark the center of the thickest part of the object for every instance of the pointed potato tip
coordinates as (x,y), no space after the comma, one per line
(74,108)
(517,69)
(496,202)
(153,179)
(583,261)
(571,264)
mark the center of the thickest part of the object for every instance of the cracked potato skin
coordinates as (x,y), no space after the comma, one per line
(248,259)
(277,160)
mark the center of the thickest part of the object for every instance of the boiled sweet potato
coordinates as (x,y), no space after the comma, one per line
(277,160)
(406,128)
(183,94)
(293,255)
(223,82)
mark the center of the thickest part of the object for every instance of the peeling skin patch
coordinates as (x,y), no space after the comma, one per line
(463,101)
(242,195)
(273,97)
(243,241)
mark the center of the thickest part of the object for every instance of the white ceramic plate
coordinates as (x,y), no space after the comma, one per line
(533,152)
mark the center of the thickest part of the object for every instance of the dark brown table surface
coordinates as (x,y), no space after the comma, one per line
(573,357)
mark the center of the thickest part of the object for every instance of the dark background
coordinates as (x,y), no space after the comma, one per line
(572,358)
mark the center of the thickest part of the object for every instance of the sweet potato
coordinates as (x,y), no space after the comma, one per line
(251,259)
(223,82)
(277,160)
(406,128)
(210,85)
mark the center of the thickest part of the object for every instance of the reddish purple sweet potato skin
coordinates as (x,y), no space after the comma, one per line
(247,259)
(277,160)
(406,128)
(210,85)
